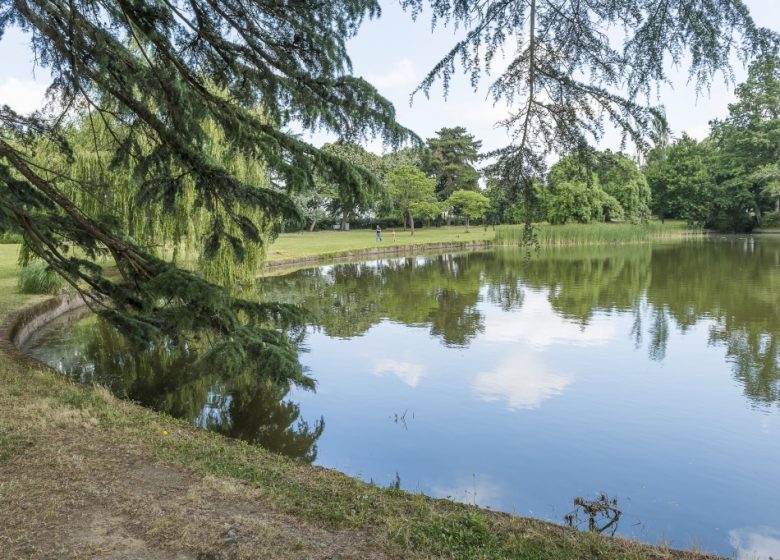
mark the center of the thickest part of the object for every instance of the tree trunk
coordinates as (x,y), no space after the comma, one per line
(411,223)
(777,204)
(313,223)
(344,216)
(758,215)
(467,223)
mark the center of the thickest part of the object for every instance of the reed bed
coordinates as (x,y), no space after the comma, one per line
(38,278)
(595,234)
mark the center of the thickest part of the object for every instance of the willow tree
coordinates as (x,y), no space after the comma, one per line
(576,66)
(166,70)
(177,232)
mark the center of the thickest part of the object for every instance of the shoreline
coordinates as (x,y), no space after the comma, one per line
(118,441)
(280,265)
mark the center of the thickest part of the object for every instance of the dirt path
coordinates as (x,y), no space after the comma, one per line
(75,483)
(69,490)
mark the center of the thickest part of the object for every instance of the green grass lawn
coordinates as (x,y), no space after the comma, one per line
(10,297)
(327,244)
(303,245)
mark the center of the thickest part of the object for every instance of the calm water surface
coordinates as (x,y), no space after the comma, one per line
(650,373)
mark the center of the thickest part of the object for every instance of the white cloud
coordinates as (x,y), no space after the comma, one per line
(538,325)
(755,544)
(402,75)
(522,381)
(23,96)
(408,372)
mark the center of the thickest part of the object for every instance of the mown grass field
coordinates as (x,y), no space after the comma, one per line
(10,296)
(84,474)
(323,245)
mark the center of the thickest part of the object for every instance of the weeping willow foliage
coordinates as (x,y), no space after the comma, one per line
(188,96)
(177,232)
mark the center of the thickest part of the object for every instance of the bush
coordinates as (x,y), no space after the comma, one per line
(10,238)
(38,278)
(770,220)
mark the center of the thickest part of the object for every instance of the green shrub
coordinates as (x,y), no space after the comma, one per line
(10,238)
(38,278)
(770,220)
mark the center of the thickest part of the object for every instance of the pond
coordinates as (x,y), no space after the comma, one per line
(649,372)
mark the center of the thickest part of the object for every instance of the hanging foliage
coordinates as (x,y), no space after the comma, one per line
(176,101)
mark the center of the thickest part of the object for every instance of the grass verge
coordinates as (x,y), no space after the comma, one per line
(80,447)
(322,245)
(305,247)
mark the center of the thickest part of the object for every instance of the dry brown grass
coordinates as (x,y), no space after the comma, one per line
(76,485)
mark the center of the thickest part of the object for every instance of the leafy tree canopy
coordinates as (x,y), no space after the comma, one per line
(621,178)
(470,204)
(575,193)
(451,158)
(566,78)
(730,179)
(343,200)
(158,76)
(411,192)
(747,144)
(682,182)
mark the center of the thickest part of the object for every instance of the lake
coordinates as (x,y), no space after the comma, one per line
(519,383)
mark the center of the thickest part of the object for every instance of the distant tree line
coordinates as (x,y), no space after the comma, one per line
(432,183)
(730,181)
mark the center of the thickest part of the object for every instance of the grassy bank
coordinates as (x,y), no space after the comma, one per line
(83,474)
(324,245)
(327,244)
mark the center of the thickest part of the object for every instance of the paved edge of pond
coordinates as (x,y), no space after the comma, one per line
(83,473)
(275,266)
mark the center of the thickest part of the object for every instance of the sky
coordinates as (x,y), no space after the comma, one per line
(394,53)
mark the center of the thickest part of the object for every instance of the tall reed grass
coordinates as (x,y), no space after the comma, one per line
(37,278)
(594,234)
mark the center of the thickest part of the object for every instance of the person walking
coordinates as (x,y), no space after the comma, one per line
(378,233)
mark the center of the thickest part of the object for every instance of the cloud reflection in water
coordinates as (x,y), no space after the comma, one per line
(755,543)
(408,372)
(522,381)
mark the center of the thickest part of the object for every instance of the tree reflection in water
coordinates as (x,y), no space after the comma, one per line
(243,405)
(733,284)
